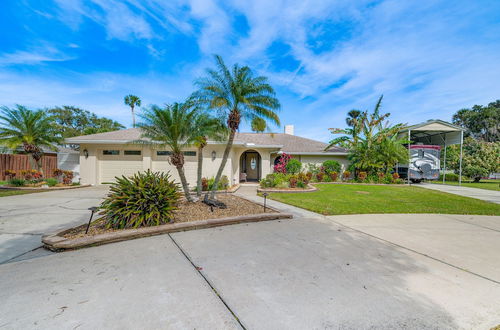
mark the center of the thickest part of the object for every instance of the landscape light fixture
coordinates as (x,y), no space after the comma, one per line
(265,200)
(86,153)
(93,209)
(214,154)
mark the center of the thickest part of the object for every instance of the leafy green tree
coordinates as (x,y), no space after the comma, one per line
(173,127)
(132,101)
(71,121)
(235,94)
(206,127)
(479,158)
(29,129)
(480,122)
(259,125)
(373,145)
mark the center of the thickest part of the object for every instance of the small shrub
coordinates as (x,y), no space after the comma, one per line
(293,181)
(388,179)
(10,174)
(346,175)
(223,182)
(281,166)
(395,176)
(362,176)
(313,168)
(449,177)
(17,182)
(319,176)
(303,177)
(204,184)
(67,177)
(333,176)
(144,199)
(57,172)
(51,182)
(309,176)
(293,166)
(380,177)
(331,166)
(301,184)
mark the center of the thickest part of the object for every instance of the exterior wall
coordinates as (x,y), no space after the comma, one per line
(70,162)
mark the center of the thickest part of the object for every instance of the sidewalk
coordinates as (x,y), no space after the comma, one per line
(483,194)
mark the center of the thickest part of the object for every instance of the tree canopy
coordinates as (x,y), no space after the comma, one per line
(480,122)
(71,121)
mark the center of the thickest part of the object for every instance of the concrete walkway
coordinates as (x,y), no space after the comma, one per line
(484,194)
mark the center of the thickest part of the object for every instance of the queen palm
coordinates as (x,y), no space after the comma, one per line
(171,126)
(235,94)
(206,127)
(258,125)
(31,130)
(132,101)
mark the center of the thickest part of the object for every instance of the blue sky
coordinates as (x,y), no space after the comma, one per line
(428,58)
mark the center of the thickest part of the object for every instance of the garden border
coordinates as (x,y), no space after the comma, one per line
(46,188)
(272,190)
(56,242)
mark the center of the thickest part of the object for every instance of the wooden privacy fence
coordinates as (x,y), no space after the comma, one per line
(21,162)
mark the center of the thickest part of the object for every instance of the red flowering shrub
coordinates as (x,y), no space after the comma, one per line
(67,177)
(281,166)
(293,181)
(57,172)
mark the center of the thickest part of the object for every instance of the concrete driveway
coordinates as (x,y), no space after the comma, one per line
(312,272)
(25,218)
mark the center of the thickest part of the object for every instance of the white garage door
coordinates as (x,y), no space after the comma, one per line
(118,162)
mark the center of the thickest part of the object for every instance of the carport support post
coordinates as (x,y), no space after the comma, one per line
(409,156)
(461,151)
(444,166)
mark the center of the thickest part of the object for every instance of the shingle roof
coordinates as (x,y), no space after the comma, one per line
(288,143)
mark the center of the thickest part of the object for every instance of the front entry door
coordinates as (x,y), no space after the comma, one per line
(252,165)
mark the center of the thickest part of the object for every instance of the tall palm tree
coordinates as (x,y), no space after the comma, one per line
(206,127)
(132,101)
(258,125)
(171,126)
(352,117)
(235,94)
(30,129)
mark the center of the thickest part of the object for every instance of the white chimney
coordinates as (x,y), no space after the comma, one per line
(289,129)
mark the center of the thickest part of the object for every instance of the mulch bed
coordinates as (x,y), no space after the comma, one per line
(187,212)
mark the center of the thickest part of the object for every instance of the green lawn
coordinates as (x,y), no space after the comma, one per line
(333,199)
(9,192)
(483,184)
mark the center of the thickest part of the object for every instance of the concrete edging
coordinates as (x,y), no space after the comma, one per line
(299,190)
(45,189)
(55,242)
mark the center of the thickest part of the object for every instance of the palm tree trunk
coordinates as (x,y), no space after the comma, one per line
(133,115)
(184,183)
(223,163)
(199,172)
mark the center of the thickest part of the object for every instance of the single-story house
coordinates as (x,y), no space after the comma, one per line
(104,156)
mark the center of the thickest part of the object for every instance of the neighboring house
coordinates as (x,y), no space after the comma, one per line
(107,155)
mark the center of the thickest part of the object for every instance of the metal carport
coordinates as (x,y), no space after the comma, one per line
(436,132)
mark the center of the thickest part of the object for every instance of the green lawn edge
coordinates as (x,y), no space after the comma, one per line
(341,199)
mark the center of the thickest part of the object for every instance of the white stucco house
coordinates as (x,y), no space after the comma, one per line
(107,155)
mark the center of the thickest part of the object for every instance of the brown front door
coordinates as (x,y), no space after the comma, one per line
(251,166)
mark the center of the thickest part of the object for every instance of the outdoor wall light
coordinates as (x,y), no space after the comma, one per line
(214,154)
(86,153)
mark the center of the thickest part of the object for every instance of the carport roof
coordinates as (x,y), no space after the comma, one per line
(434,131)
(281,142)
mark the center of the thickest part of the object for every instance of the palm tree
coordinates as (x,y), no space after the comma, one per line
(30,129)
(233,95)
(171,126)
(206,127)
(258,125)
(352,117)
(132,101)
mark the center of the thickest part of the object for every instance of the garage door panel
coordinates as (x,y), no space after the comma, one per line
(109,169)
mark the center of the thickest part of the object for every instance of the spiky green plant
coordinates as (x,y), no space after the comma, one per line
(142,200)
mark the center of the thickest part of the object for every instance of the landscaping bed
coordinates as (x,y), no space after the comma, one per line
(309,188)
(45,188)
(188,216)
